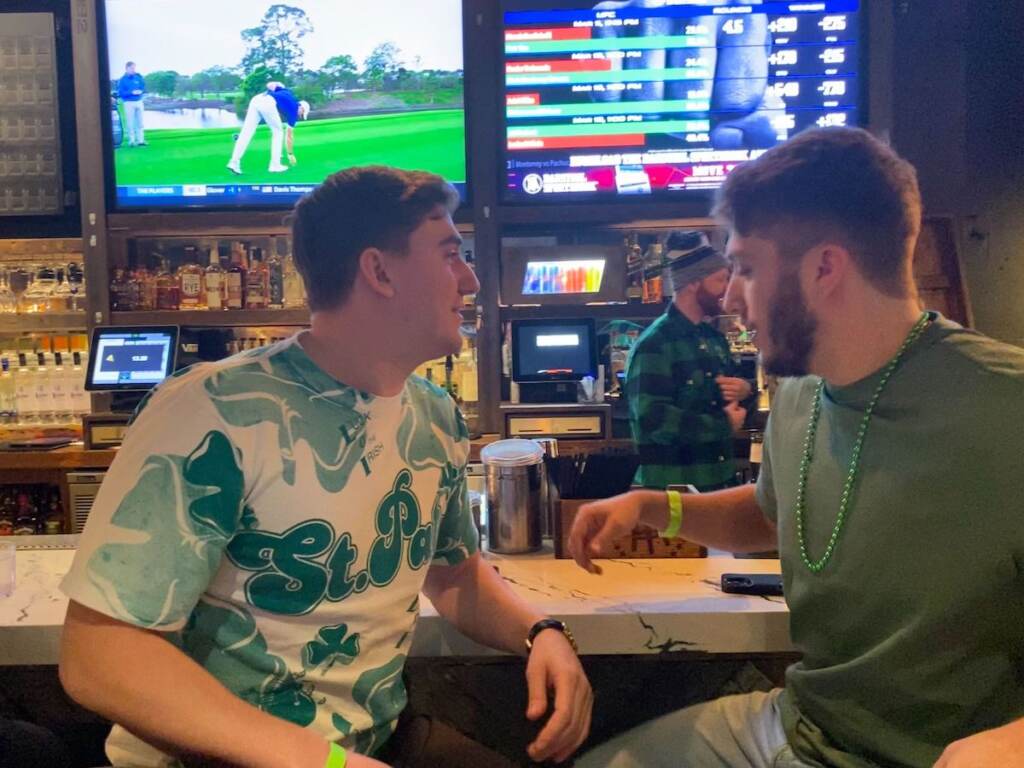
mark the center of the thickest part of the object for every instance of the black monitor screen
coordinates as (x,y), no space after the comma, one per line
(639,98)
(548,350)
(131,358)
(242,103)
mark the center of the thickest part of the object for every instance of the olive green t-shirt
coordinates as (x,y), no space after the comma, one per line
(913,633)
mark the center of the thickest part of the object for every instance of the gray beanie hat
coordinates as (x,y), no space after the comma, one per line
(690,258)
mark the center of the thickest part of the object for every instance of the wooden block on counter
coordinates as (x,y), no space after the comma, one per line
(642,543)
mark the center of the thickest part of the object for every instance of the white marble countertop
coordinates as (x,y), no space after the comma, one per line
(635,607)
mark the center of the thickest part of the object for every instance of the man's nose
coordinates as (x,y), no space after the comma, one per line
(732,302)
(468,283)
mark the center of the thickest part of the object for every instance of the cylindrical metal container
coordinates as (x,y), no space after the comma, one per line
(515,481)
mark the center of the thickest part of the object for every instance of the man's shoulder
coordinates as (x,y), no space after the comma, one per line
(986,361)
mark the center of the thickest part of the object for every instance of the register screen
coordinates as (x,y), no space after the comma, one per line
(124,359)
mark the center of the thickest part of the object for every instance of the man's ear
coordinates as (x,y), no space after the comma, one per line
(373,268)
(827,265)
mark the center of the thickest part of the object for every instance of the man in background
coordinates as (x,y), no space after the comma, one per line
(681,382)
(268,107)
(131,89)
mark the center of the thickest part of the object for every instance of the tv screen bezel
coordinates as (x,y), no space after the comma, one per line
(692,197)
(115,206)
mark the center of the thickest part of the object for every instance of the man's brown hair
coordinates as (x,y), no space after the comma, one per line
(841,184)
(354,209)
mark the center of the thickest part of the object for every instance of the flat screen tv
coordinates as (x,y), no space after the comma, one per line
(250,103)
(640,99)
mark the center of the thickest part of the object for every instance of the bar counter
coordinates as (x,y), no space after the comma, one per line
(636,607)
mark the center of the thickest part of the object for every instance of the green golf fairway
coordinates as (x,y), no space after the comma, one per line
(431,141)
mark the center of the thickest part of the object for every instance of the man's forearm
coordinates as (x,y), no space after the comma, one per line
(138,679)
(474,598)
(729,519)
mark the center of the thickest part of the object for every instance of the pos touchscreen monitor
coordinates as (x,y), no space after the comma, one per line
(131,358)
(553,350)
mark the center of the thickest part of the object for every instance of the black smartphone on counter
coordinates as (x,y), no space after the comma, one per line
(752,583)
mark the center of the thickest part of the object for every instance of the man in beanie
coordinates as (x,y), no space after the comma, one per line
(682,384)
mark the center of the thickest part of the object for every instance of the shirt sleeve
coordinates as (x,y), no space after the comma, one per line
(655,411)
(457,537)
(169,503)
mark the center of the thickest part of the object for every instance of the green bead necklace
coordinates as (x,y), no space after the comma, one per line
(815,566)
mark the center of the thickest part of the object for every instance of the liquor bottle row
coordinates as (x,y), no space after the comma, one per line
(236,276)
(26,510)
(42,382)
(31,288)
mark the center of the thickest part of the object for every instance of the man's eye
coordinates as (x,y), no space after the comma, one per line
(744,271)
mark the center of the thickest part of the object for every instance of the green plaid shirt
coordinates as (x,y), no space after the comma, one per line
(675,407)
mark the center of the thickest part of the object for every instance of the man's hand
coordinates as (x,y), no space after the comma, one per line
(737,414)
(291,159)
(598,523)
(733,390)
(553,665)
(995,748)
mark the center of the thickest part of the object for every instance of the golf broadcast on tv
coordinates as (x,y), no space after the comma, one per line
(247,102)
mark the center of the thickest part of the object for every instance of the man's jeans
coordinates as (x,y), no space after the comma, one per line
(732,732)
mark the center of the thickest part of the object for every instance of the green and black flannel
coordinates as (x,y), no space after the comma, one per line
(675,406)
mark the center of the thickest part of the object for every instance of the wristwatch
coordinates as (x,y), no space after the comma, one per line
(543,624)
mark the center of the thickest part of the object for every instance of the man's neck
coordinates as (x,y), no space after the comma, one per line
(855,344)
(350,350)
(687,305)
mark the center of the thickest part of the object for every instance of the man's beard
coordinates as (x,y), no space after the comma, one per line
(791,330)
(709,304)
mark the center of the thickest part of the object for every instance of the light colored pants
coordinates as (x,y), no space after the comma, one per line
(133,111)
(262,108)
(732,732)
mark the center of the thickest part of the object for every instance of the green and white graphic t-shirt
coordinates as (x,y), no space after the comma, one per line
(278,525)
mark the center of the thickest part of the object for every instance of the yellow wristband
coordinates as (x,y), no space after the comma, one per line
(675,515)
(336,757)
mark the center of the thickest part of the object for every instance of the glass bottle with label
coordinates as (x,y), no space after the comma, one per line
(235,278)
(145,285)
(214,282)
(275,278)
(294,294)
(168,295)
(190,282)
(53,521)
(8,392)
(26,519)
(257,281)
(119,295)
(7,511)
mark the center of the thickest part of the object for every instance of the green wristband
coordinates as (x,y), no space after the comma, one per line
(675,515)
(336,757)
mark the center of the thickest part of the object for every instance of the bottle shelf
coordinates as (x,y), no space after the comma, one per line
(226,318)
(43,321)
(213,318)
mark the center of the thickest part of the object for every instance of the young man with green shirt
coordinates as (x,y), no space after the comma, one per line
(890,485)
(681,381)
(248,582)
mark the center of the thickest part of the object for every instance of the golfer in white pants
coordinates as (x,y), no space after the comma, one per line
(133,112)
(262,108)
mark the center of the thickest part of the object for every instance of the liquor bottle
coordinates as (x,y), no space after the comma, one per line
(275,278)
(63,410)
(81,403)
(119,293)
(145,285)
(53,521)
(25,390)
(190,282)
(294,295)
(168,295)
(26,516)
(235,278)
(214,280)
(257,281)
(8,392)
(43,397)
(7,511)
